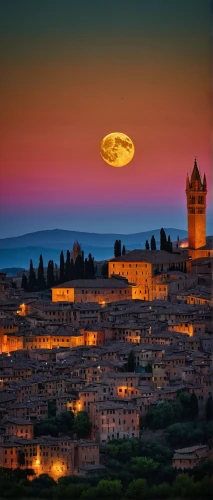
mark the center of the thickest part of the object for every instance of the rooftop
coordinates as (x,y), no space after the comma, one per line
(95,283)
(150,256)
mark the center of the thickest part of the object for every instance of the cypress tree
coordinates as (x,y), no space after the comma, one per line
(24,282)
(91,267)
(41,279)
(177,244)
(86,270)
(50,274)
(32,278)
(117,248)
(169,245)
(147,245)
(56,273)
(123,250)
(72,270)
(163,240)
(67,276)
(61,272)
(153,243)
(131,362)
(79,267)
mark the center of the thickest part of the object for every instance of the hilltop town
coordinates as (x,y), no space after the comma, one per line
(110,358)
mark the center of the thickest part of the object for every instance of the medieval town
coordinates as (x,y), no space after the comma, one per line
(117,358)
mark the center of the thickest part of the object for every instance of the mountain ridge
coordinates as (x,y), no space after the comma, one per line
(18,250)
(63,236)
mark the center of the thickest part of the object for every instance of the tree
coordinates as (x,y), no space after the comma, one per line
(185,400)
(50,274)
(184,486)
(54,425)
(89,267)
(109,489)
(67,276)
(147,245)
(160,416)
(61,272)
(179,434)
(163,240)
(72,270)
(41,279)
(194,406)
(56,273)
(169,245)
(81,424)
(73,491)
(46,428)
(104,270)
(163,490)
(52,408)
(137,489)
(24,282)
(79,267)
(32,278)
(177,244)
(153,243)
(131,362)
(123,250)
(90,494)
(143,466)
(117,248)
(209,409)
(65,421)
(43,481)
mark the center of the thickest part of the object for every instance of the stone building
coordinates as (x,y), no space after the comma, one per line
(47,455)
(196,191)
(101,290)
(142,266)
(76,251)
(112,420)
(188,458)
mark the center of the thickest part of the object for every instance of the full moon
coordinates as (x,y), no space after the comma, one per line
(117,149)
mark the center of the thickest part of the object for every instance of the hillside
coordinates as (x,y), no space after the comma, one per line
(17,251)
(57,238)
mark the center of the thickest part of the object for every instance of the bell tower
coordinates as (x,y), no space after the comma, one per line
(196,191)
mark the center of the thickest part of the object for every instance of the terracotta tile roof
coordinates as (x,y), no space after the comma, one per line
(95,283)
(150,256)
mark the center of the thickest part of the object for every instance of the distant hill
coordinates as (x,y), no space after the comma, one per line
(58,238)
(17,251)
(12,271)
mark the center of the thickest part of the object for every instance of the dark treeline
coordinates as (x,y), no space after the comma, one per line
(119,249)
(130,473)
(68,270)
(165,244)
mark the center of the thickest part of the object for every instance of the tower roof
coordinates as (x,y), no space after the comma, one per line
(195,173)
